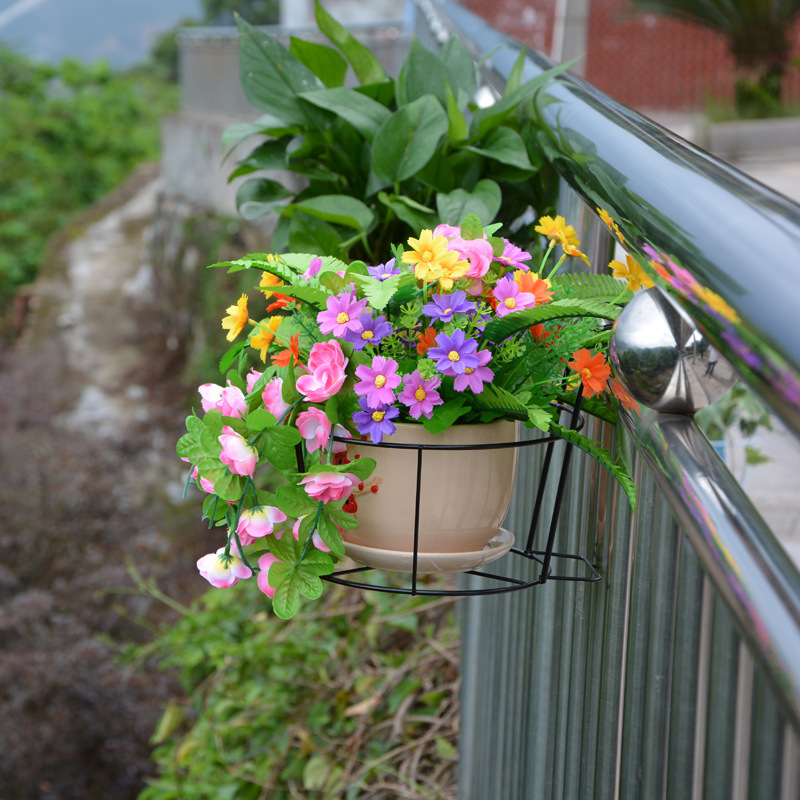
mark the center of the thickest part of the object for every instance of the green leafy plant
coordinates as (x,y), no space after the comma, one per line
(357,697)
(68,134)
(388,158)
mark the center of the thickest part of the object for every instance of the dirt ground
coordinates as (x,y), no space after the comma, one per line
(91,405)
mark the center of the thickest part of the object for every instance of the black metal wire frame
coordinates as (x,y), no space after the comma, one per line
(544,557)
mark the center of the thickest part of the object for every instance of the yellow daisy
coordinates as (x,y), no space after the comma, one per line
(631,272)
(236,319)
(610,224)
(558,229)
(269,282)
(428,255)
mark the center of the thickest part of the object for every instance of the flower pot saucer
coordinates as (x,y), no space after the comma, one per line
(427,563)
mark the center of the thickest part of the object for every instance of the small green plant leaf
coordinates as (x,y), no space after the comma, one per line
(294,502)
(378,292)
(506,146)
(287,596)
(322,60)
(484,200)
(367,68)
(445,415)
(329,534)
(259,196)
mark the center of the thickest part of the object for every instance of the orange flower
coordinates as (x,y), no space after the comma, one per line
(632,272)
(593,370)
(624,398)
(262,337)
(426,340)
(284,358)
(558,229)
(236,319)
(531,282)
(281,301)
(572,250)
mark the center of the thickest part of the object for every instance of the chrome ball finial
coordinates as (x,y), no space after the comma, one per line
(663,360)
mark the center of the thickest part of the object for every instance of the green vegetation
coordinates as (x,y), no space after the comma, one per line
(387,159)
(358,698)
(68,134)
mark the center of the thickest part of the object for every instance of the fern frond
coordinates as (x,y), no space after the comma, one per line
(583,286)
(596,451)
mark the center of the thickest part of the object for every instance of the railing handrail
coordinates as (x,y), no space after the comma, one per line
(231,32)
(736,237)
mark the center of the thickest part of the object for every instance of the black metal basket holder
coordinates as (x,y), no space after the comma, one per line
(499,583)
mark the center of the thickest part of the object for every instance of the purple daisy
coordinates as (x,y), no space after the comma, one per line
(513,256)
(375,422)
(455,354)
(384,271)
(444,306)
(378,383)
(475,378)
(341,314)
(371,332)
(420,395)
(510,298)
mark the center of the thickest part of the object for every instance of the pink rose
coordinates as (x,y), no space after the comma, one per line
(256,522)
(252,377)
(273,398)
(223,572)
(315,428)
(478,252)
(264,564)
(236,454)
(329,487)
(228,401)
(449,231)
(326,364)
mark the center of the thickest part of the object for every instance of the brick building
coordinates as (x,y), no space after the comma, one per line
(643,60)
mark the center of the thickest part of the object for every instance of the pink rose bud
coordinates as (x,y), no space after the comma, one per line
(257,522)
(328,487)
(273,398)
(252,378)
(315,428)
(223,572)
(264,564)
(228,401)
(236,454)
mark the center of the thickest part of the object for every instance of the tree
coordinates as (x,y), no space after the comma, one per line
(759,39)
(256,12)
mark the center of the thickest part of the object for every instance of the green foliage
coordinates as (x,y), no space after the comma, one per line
(68,134)
(388,158)
(272,707)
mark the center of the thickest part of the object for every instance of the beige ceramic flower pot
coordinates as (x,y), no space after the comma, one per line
(465,494)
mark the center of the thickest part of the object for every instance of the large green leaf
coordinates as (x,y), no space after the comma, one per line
(461,65)
(363,113)
(484,119)
(457,124)
(338,209)
(259,196)
(272,77)
(322,60)
(309,234)
(367,68)
(484,200)
(265,125)
(423,73)
(408,140)
(503,327)
(597,451)
(506,146)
